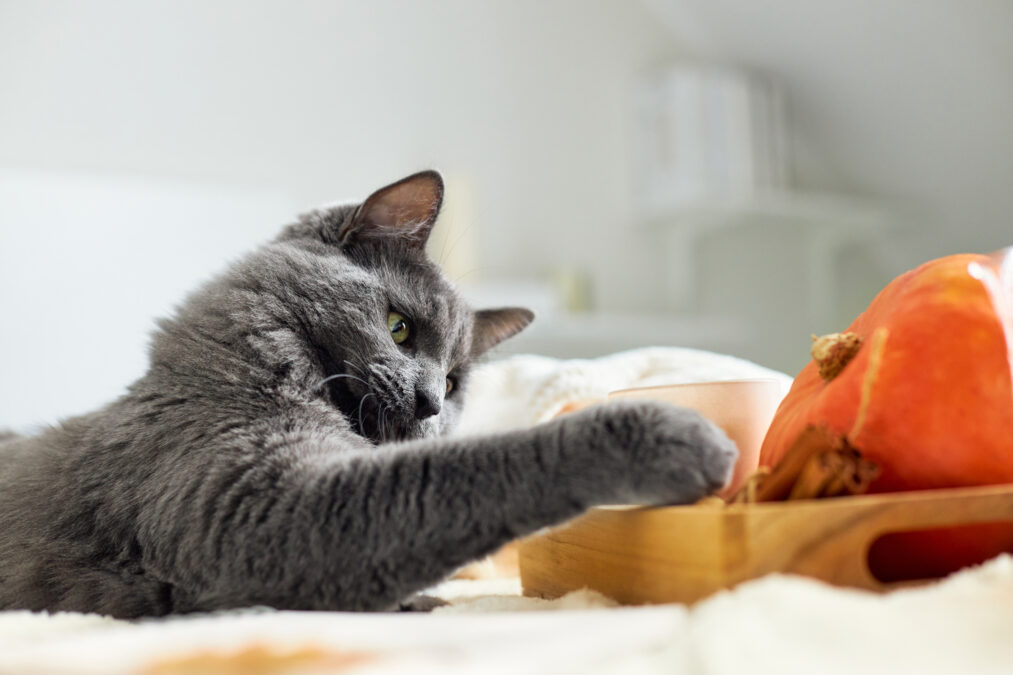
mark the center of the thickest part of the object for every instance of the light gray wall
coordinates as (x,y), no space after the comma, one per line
(238,111)
(902,100)
(325,100)
(245,109)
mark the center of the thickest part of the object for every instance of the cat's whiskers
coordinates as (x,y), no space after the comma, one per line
(358,368)
(383,424)
(362,429)
(469,272)
(456,241)
(338,377)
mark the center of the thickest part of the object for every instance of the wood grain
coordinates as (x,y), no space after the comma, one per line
(640,555)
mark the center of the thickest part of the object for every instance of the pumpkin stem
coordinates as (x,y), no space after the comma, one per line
(834,351)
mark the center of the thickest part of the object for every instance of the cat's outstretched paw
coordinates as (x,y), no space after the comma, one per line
(674,455)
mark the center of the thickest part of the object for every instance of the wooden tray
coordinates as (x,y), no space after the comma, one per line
(639,555)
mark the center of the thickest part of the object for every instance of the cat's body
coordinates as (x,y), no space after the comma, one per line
(285,446)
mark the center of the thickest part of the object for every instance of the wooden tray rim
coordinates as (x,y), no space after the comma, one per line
(940,495)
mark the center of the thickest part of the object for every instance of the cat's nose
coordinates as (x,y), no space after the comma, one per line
(427,404)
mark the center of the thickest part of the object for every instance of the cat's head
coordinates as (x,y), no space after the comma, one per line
(355,313)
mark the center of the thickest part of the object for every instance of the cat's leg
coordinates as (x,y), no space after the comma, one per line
(365,532)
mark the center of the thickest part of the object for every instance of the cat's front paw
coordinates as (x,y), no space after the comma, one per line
(676,456)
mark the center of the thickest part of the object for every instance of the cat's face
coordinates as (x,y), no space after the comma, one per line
(389,338)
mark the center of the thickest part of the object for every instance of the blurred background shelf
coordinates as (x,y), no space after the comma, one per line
(752,277)
(584,335)
(817,210)
(715,248)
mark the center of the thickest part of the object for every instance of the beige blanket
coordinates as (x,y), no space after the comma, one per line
(524,390)
(778,625)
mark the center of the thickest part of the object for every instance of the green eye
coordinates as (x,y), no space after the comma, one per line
(399,329)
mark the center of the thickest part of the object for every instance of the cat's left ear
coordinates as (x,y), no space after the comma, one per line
(404,211)
(492,326)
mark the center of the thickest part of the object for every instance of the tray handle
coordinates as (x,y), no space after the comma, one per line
(906,512)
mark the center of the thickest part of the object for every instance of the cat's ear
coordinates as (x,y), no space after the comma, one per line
(492,326)
(404,211)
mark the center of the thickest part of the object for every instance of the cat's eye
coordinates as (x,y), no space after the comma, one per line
(399,328)
(450,386)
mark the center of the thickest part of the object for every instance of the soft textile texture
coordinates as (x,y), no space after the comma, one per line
(524,390)
(778,624)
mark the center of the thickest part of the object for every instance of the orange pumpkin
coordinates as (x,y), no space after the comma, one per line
(923,388)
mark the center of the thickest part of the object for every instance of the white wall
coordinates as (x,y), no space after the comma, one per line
(521,103)
(326,100)
(241,111)
(902,100)
(87,263)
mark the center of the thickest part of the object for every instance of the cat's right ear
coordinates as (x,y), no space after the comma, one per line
(492,326)
(404,211)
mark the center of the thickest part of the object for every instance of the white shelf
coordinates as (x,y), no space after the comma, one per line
(824,222)
(600,333)
(819,212)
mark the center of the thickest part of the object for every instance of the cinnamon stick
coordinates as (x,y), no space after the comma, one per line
(747,493)
(859,481)
(817,475)
(818,464)
(778,484)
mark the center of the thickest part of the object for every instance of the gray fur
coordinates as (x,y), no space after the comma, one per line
(230,476)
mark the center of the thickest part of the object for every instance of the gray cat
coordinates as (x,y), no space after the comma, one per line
(286,447)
